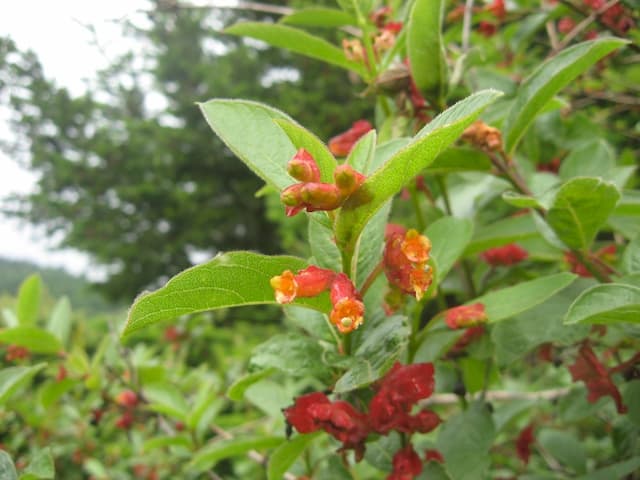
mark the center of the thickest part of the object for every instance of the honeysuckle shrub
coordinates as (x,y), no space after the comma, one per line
(469,307)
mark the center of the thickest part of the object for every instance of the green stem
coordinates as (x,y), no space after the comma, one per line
(420,221)
(371,278)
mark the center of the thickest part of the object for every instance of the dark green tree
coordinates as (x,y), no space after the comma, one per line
(130,172)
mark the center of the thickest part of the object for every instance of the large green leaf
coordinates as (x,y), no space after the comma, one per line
(449,237)
(40,467)
(209,455)
(426,50)
(236,389)
(508,302)
(565,448)
(617,470)
(464,441)
(548,79)
(631,256)
(457,159)
(60,320)
(230,279)
(29,300)
(12,378)
(580,208)
(377,353)
(286,454)
(610,303)
(35,339)
(319,17)
(404,165)
(266,150)
(297,41)
(323,247)
(7,468)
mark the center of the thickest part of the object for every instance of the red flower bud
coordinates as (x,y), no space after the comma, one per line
(487,29)
(309,282)
(341,145)
(465,316)
(16,352)
(523,443)
(406,464)
(347,179)
(291,196)
(127,398)
(566,24)
(303,167)
(125,421)
(433,456)
(320,196)
(497,8)
(506,255)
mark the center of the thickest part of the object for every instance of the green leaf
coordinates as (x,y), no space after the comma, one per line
(182,440)
(323,247)
(319,17)
(35,339)
(464,441)
(548,79)
(370,245)
(403,166)
(436,342)
(297,41)
(60,320)
(10,318)
(302,138)
(520,201)
(426,49)
(381,348)
(236,389)
(508,302)
(208,456)
(610,303)
(41,465)
(592,159)
(286,454)
(29,300)
(380,452)
(52,392)
(7,469)
(266,150)
(12,378)
(230,279)
(631,256)
(580,208)
(457,159)
(501,233)
(629,204)
(165,398)
(362,154)
(449,237)
(617,470)
(631,398)
(293,354)
(565,448)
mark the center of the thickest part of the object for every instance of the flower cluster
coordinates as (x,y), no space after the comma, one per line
(595,376)
(465,316)
(405,258)
(616,17)
(348,310)
(389,410)
(506,255)
(311,194)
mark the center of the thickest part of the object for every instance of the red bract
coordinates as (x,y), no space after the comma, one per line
(523,444)
(125,421)
(298,414)
(406,464)
(465,316)
(506,255)
(595,376)
(344,423)
(341,145)
(470,335)
(497,9)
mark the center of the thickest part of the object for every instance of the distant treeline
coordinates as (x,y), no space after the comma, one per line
(58,282)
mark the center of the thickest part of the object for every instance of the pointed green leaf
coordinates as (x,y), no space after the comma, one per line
(631,256)
(404,165)
(449,237)
(237,388)
(249,130)
(580,208)
(210,454)
(610,303)
(60,320)
(456,159)
(7,468)
(323,247)
(35,339)
(565,448)
(302,138)
(548,79)
(12,378)
(426,49)
(230,279)
(362,154)
(287,453)
(508,302)
(41,465)
(319,17)
(29,300)
(297,41)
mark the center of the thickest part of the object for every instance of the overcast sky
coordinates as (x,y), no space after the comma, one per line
(57,31)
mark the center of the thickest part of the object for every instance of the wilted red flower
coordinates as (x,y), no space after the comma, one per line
(127,398)
(505,255)
(523,443)
(341,145)
(406,464)
(304,167)
(298,415)
(595,376)
(487,29)
(483,136)
(433,456)
(465,316)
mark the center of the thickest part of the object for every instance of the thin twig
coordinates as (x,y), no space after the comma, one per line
(466,25)
(497,396)
(553,35)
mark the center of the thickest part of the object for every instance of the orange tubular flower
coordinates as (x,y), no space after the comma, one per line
(348,310)
(341,145)
(309,282)
(465,316)
(405,257)
(416,247)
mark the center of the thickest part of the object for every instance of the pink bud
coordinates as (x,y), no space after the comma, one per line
(303,167)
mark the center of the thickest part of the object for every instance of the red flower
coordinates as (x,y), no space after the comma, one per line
(595,376)
(298,415)
(125,421)
(465,316)
(523,443)
(566,24)
(348,311)
(341,145)
(309,282)
(127,398)
(487,29)
(404,260)
(16,352)
(303,167)
(406,464)
(470,335)
(506,255)
(553,166)
(433,456)
(497,9)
